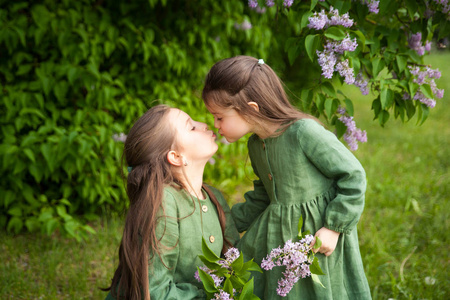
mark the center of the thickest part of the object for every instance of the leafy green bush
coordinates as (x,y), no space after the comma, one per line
(75,73)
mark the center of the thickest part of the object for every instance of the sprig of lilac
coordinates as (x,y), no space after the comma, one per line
(330,59)
(425,76)
(372,5)
(415,43)
(353,135)
(362,83)
(230,256)
(322,20)
(295,257)
(254,3)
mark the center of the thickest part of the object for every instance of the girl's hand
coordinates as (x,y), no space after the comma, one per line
(329,240)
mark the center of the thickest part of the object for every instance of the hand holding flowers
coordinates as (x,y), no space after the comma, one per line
(298,258)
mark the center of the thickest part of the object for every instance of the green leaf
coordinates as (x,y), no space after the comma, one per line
(349,106)
(340,128)
(29,154)
(15,211)
(208,253)
(209,264)
(335,33)
(318,243)
(316,279)
(328,88)
(386,98)
(207,281)
(361,38)
(426,90)
(383,117)
(15,225)
(228,286)
(315,268)
(401,62)
(300,225)
(247,290)
(238,263)
(311,45)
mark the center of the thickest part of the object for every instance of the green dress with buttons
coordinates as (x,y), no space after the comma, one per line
(187,219)
(306,171)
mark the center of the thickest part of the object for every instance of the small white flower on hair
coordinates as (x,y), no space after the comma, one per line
(261,61)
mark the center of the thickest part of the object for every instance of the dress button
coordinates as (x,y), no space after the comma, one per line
(204,208)
(212,238)
(270,176)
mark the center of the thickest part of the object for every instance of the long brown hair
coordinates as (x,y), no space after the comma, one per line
(236,81)
(146,148)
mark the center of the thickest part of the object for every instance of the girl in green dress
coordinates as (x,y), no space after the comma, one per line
(302,169)
(170,208)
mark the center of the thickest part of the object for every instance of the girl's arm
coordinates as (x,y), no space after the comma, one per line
(162,269)
(256,202)
(336,162)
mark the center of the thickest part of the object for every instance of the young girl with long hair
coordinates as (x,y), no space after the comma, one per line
(170,208)
(302,169)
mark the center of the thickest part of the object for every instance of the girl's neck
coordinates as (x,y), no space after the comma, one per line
(192,179)
(265,130)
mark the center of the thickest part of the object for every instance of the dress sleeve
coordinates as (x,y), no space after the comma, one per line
(162,268)
(336,162)
(256,202)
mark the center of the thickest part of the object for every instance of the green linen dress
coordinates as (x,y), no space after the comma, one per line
(308,172)
(188,218)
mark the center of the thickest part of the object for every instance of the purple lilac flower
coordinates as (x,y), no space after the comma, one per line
(222,296)
(288,3)
(327,60)
(425,76)
(444,6)
(270,3)
(294,256)
(321,20)
(353,135)
(252,3)
(415,43)
(345,71)
(362,83)
(373,6)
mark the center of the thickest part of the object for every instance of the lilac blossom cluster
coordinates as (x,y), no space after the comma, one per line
(425,76)
(362,83)
(322,20)
(230,256)
(330,62)
(372,5)
(415,43)
(353,135)
(254,3)
(294,256)
(444,6)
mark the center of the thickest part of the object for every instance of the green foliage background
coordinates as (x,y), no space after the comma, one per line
(75,73)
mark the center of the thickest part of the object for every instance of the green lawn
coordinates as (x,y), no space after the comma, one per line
(403,230)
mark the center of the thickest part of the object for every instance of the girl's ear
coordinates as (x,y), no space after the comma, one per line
(174,158)
(253,105)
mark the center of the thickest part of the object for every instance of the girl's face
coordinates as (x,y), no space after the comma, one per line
(194,140)
(230,123)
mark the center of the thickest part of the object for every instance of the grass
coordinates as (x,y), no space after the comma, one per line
(403,231)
